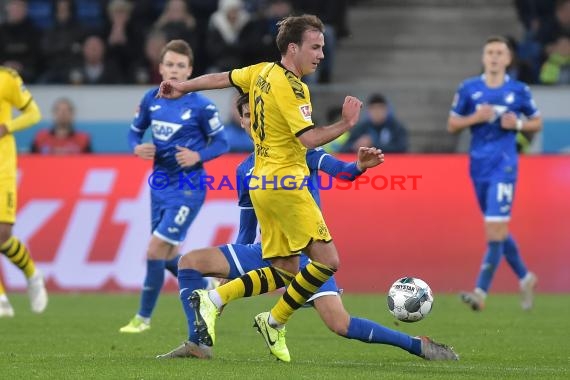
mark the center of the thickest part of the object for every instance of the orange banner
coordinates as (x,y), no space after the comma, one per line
(87,222)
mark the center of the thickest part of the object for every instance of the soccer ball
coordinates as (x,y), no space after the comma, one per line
(410,299)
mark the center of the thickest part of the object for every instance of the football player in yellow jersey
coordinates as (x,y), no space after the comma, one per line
(289,218)
(13,94)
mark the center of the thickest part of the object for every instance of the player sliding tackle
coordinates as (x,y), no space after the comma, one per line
(233,260)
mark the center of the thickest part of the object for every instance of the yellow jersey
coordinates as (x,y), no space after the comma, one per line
(280,106)
(13,94)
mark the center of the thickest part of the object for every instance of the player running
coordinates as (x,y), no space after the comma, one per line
(290,219)
(186,132)
(491,106)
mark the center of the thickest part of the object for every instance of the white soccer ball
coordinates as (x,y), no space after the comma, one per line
(410,299)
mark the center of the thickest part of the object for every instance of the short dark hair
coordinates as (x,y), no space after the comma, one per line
(291,30)
(242,100)
(502,39)
(180,47)
(377,98)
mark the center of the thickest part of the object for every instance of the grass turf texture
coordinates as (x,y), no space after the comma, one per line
(77,338)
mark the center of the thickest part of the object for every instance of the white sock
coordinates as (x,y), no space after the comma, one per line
(144,319)
(480,292)
(215,298)
(273,323)
(525,279)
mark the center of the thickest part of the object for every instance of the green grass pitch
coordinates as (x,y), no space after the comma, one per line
(77,338)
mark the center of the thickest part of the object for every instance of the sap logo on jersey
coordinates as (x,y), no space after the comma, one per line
(163,131)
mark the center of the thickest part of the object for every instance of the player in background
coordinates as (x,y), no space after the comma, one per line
(290,220)
(186,132)
(492,105)
(13,94)
(233,260)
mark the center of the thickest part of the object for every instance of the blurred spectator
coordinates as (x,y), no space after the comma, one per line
(222,43)
(145,71)
(556,69)
(257,39)
(123,37)
(91,14)
(145,13)
(19,41)
(61,43)
(534,13)
(41,13)
(557,26)
(333,14)
(238,139)
(380,129)
(202,10)
(61,137)
(94,68)
(523,69)
(177,22)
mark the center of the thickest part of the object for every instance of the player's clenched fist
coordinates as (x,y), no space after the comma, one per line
(170,89)
(351,110)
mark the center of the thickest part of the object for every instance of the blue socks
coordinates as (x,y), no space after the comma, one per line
(511,252)
(172,265)
(490,264)
(152,286)
(371,332)
(154,281)
(188,281)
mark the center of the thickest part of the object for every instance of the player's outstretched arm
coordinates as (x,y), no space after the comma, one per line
(369,158)
(318,159)
(171,89)
(316,137)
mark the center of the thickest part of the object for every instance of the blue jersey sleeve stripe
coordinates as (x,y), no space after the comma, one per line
(217,130)
(321,160)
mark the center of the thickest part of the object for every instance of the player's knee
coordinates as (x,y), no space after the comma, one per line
(497,235)
(332,262)
(153,254)
(497,231)
(5,233)
(287,265)
(188,261)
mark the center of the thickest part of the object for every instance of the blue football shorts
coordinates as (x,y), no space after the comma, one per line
(495,199)
(171,216)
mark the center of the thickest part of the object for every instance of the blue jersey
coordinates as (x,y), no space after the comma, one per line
(191,121)
(493,153)
(317,159)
